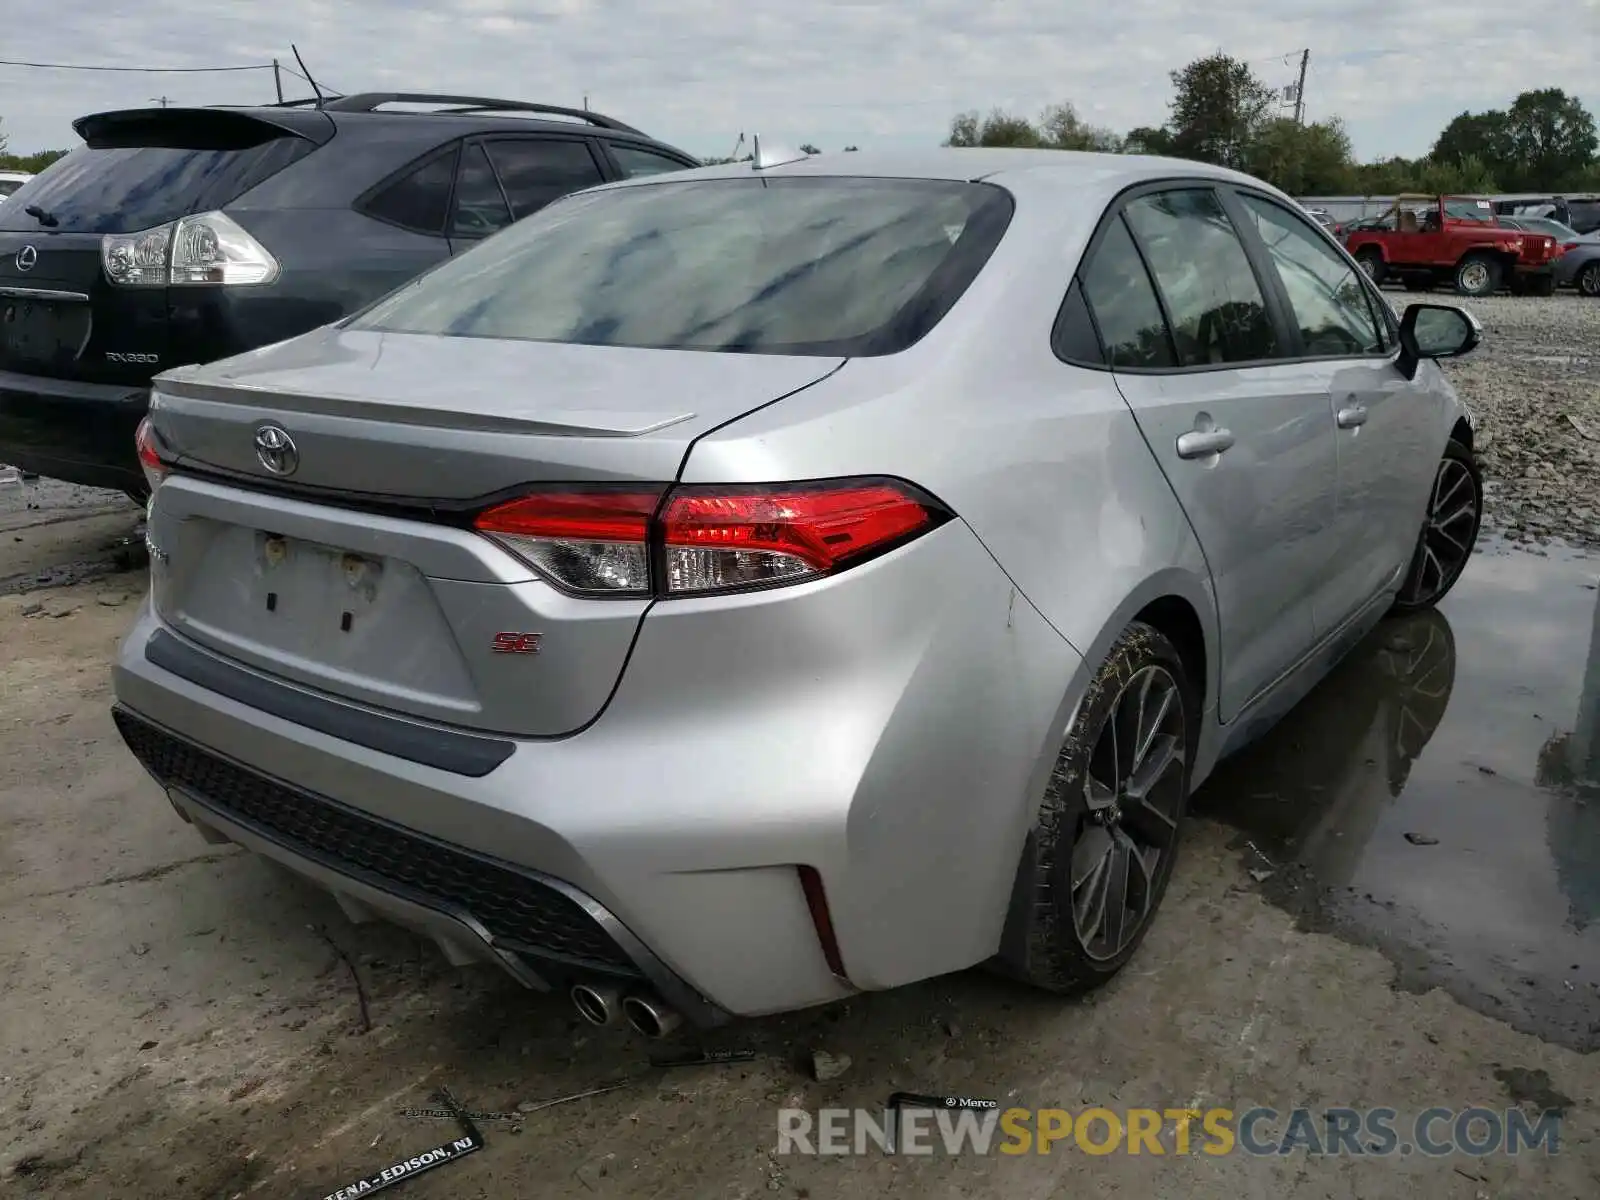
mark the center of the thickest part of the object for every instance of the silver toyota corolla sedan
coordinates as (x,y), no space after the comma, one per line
(729,591)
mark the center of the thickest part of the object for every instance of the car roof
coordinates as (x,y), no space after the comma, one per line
(1019,170)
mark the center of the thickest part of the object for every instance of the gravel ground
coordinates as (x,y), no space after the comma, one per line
(1534,385)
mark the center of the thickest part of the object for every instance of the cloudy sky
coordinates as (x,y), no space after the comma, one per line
(873,73)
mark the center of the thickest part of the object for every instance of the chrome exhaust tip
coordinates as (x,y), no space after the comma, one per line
(649,1016)
(596,1003)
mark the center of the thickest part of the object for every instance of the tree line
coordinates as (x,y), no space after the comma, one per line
(31,163)
(1222,113)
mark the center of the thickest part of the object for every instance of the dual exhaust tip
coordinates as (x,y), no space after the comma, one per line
(601,1004)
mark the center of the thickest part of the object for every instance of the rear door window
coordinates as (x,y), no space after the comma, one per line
(1219,314)
(480,207)
(123,189)
(419,198)
(535,171)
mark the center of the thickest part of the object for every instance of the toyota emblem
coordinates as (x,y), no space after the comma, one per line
(275,450)
(27,257)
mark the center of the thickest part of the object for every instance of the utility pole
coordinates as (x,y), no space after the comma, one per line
(1300,89)
(277,79)
(586,102)
(161,100)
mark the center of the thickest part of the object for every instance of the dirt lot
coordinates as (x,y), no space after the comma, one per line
(1394,900)
(1535,384)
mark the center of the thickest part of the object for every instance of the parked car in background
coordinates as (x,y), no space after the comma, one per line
(182,235)
(1349,225)
(1579,262)
(1581,213)
(10,181)
(1456,242)
(725,593)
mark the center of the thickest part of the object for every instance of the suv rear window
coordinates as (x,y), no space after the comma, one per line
(124,189)
(818,266)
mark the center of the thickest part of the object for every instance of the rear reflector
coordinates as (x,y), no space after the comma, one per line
(627,541)
(822,920)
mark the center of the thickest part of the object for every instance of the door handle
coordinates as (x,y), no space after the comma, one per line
(1199,443)
(1352,416)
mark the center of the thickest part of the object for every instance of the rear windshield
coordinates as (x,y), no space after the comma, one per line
(820,266)
(128,188)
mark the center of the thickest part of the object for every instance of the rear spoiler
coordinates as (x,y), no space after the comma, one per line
(201,128)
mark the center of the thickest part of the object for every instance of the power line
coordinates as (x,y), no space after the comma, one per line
(7,62)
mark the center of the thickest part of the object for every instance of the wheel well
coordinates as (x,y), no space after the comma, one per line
(1462,433)
(1175,617)
(1507,260)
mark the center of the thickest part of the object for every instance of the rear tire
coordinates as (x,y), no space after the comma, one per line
(1478,275)
(1588,281)
(1100,854)
(1449,531)
(1370,260)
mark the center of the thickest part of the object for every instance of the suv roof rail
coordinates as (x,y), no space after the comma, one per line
(308,102)
(460,105)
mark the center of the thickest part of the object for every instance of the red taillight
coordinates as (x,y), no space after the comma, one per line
(720,538)
(601,541)
(148,447)
(594,541)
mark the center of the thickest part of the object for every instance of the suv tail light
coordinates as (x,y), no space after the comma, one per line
(210,248)
(148,444)
(698,539)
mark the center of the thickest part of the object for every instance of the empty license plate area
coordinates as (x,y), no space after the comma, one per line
(39,333)
(358,625)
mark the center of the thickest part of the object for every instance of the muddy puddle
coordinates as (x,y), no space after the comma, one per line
(1438,797)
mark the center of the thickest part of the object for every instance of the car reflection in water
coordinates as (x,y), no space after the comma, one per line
(1569,766)
(1467,850)
(1314,789)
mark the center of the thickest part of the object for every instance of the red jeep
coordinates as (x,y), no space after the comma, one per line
(1426,241)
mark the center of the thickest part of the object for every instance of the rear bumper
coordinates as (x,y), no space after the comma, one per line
(541,931)
(77,432)
(888,728)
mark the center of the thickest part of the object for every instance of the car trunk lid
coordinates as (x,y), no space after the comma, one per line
(355,571)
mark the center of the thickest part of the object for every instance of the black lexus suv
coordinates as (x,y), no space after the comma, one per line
(183,235)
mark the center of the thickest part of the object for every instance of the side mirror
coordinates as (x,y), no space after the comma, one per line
(1435,331)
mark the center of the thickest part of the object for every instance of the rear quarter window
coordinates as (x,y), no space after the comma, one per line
(419,199)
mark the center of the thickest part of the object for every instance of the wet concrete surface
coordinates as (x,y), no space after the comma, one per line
(179,1026)
(1438,797)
